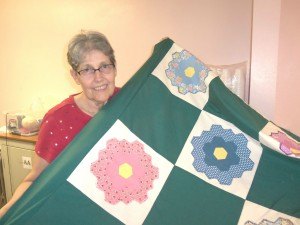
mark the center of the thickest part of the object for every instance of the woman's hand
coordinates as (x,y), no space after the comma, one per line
(3,210)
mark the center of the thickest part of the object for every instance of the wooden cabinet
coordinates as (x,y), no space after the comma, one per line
(17,157)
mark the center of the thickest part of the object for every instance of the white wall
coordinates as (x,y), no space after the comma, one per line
(34,35)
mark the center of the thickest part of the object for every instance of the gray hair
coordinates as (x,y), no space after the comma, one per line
(85,42)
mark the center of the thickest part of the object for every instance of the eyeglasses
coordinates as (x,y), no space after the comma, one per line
(90,72)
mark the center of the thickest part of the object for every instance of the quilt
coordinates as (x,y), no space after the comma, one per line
(174,147)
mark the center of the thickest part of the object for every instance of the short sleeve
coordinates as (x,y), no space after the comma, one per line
(47,144)
(59,127)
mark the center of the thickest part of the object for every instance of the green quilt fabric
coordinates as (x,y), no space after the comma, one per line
(174,147)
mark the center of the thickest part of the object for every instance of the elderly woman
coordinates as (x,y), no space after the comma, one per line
(93,68)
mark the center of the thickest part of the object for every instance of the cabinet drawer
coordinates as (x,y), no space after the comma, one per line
(20,144)
(17,158)
(20,164)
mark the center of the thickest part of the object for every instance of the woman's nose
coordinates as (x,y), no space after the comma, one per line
(98,75)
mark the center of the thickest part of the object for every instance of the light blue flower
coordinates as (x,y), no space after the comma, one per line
(187,73)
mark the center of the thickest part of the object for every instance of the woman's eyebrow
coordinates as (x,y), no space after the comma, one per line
(90,66)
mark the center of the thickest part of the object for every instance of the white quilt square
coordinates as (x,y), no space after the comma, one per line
(220,154)
(254,214)
(276,139)
(185,76)
(122,174)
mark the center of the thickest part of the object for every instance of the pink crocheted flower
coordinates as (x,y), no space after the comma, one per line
(124,171)
(287,145)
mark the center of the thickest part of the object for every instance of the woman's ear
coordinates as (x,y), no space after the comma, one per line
(115,71)
(74,74)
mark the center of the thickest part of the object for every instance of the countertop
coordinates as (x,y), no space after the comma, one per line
(31,139)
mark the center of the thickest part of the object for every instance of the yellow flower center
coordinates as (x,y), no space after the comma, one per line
(125,170)
(220,153)
(189,72)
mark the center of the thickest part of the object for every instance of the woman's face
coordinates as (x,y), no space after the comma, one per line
(100,86)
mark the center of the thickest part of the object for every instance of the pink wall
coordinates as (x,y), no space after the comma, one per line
(265,30)
(274,90)
(287,107)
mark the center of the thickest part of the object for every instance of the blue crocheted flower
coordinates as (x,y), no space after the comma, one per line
(187,73)
(221,154)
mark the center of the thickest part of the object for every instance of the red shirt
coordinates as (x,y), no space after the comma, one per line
(60,125)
